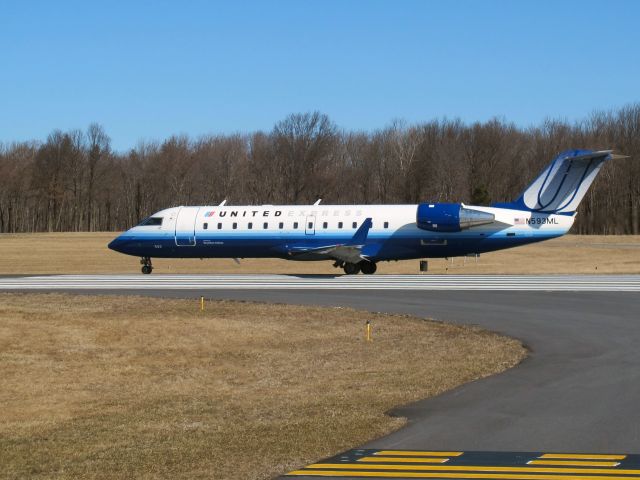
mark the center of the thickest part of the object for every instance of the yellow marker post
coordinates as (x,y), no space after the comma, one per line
(368,331)
(202,304)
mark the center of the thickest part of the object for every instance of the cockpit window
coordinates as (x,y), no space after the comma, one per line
(151,222)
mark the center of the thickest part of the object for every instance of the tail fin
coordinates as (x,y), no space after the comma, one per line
(563,184)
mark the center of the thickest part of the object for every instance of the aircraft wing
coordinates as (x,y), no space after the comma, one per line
(353,251)
(344,253)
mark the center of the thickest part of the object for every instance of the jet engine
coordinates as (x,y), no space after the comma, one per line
(450,217)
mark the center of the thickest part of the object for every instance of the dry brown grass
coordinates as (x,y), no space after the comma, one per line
(130,387)
(88,253)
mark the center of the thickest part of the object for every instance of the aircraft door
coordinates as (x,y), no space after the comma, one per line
(186,226)
(310,225)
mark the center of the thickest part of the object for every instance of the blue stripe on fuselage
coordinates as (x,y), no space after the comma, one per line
(404,243)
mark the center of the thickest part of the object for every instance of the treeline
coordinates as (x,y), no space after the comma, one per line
(74,181)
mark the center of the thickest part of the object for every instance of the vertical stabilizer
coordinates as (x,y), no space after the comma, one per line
(562,185)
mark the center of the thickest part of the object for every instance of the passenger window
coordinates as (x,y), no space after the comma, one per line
(219,226)
(205,226)
(295,224)
(250,226)
(339,224)
(235,225)
(354,225)
(281,225)
(324,225)
(265,225)
(310,224)
(386,224)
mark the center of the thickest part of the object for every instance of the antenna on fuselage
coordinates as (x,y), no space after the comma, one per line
(317,202)
(223,203)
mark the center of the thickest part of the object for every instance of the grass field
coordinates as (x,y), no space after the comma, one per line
(88,253)
(131,387)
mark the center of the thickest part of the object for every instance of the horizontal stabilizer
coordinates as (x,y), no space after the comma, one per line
(617,156)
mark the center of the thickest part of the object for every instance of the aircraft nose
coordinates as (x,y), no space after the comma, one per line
(116,244)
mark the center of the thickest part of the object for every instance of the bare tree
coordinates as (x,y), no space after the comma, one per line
(303,145)
(74,181)
(98,149)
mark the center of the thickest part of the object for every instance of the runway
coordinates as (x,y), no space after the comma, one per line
(552,283)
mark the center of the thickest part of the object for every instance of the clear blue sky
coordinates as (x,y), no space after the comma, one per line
(149,69)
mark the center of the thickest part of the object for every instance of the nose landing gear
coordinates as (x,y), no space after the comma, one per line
(147,268)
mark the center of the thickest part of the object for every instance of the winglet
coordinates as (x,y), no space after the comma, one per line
(361,234)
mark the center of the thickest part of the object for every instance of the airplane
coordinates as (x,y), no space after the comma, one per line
(357,237)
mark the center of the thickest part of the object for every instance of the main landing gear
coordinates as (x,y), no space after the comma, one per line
(368,268)
(351,268)
(147,268)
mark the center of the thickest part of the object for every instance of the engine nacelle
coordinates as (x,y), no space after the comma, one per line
(450,217)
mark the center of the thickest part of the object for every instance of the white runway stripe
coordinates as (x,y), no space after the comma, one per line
(629,283)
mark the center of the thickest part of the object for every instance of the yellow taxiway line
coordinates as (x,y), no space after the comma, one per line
(582,456)
(419,453)
(573,463)
(483,468)
(461,475)
(403,459)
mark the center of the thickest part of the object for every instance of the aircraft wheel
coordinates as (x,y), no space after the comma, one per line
(351,268)
(368,268)
(146,269)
